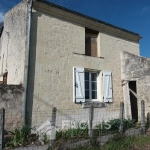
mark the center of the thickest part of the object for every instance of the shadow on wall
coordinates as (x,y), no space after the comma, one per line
(31,71)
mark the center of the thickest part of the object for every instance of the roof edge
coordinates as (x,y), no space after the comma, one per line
(87,17)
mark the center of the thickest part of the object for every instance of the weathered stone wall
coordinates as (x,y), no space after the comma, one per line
(111,48)
(11,99)
(13,43)
(136,68)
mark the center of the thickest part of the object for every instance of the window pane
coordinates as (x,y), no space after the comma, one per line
(94,85)
(86,94)
(94,76)
(87,85)
(86,75)
(94,94)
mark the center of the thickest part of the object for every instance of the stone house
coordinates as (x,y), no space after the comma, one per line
(63,58)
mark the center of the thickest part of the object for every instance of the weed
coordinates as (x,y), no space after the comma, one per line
(19,137)
(44,138)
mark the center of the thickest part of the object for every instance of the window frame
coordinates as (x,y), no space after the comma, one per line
(104,85)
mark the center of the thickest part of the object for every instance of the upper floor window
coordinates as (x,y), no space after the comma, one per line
(91,42)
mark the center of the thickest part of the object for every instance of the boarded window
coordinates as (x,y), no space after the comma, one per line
(91,42)
(5,78)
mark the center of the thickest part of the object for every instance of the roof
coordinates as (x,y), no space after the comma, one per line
(85,16)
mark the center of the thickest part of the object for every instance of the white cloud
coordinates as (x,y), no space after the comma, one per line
(1,16)
(145,10)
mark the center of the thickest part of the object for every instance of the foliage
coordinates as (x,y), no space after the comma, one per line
(21,136)
(114,125)
(80,131)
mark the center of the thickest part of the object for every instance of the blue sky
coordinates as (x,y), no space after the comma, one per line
(133,15)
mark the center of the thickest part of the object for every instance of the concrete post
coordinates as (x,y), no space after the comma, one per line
(143,116)
(91,113)
(148,119)
(2,119)
(53,125)
(121,117)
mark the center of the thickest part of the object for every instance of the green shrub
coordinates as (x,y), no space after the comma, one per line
(114,125)
(21,134)
(19,137)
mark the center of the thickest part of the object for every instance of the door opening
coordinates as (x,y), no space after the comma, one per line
(133,101)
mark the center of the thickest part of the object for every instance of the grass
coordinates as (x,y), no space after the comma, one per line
(79,133)
(22,136)
(120,142)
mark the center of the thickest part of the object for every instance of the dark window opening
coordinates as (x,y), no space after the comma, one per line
(4,81)
(91,42)
(133,100)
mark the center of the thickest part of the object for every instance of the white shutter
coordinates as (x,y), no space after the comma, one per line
(78,85)
(107,86)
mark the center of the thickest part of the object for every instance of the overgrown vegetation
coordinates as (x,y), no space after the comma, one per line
(80,131)
(113,125)
(22,137)
(120,142)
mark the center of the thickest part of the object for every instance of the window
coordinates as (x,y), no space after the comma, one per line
(91,86)
(4,78)
(91,42)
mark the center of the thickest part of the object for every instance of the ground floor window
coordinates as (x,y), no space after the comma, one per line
(91,85)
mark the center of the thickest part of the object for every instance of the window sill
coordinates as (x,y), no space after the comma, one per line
(95,104)
(87,55)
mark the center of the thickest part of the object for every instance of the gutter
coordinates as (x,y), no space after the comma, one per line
(27,64)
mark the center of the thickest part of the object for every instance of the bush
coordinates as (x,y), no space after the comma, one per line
(114,125)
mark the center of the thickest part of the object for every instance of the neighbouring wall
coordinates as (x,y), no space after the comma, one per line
(137,68)
(13,43)
(11,99)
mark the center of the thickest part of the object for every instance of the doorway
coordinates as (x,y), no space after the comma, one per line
(133,100)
